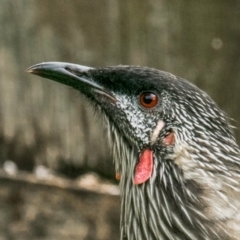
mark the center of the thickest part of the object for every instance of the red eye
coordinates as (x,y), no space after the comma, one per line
(148,99)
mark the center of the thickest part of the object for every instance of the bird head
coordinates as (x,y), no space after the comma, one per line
(171,144)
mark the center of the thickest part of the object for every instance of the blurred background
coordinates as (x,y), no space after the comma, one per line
(49,139)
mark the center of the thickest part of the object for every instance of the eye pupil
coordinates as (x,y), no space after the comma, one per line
(148,99)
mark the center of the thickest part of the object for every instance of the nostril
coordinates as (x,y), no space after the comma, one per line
(78,72)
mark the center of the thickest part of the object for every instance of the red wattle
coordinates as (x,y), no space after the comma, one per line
(144,167)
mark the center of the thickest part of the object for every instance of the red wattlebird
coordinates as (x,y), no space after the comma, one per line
(174,148)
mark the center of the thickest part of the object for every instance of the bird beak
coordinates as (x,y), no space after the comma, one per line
(73,75)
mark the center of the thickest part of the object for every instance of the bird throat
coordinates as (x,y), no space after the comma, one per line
(144,167)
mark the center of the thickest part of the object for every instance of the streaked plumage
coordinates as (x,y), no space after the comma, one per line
(193,190)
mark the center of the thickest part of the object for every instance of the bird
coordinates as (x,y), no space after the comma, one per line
(174,151)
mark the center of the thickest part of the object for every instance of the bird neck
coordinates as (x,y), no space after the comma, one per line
(166,206)
(157,208)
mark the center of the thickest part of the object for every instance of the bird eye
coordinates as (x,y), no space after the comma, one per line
(148,99)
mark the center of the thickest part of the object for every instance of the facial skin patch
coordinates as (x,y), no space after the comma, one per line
(118,176)
(144,167)
(156,131)
(169,139)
